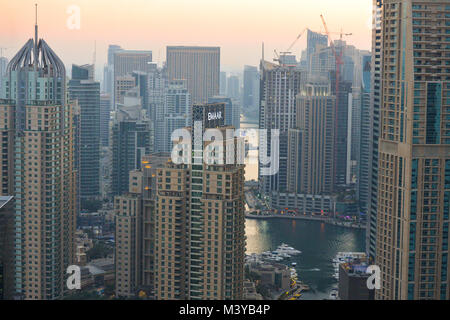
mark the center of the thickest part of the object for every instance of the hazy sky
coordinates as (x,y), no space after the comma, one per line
(237,26)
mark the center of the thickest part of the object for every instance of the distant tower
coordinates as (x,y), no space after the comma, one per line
(200,66)
(86,92)
(251,88)
(128,61)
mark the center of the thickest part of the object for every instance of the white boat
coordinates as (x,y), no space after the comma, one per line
(284,255)
(284,248)
(333,294)
(273,257)
(294,264)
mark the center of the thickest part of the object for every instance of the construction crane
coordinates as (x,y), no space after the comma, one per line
(338,58)
(295,41)
(340,33)
(277,59)
(339,63)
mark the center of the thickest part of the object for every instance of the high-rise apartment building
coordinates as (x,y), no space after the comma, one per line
(199,66)
(105,117)
(364,165)
(216,239)
(177,111)
(342,131)
(131,139)
(191,242)
(414,163)
(316,121)
(136,231)
(36,123)
(157,88)
(375,103)
(279,88)
(86,92)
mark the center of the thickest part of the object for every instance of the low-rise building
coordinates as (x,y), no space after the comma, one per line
(250,291)
(353,281)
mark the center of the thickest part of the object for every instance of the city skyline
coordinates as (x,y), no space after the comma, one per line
(117,182)
(239,30)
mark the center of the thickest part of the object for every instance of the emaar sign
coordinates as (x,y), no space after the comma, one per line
(214,115)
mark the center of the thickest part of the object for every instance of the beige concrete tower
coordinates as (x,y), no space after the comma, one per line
(186,240)
(135,230)
(316,121)
(414,151)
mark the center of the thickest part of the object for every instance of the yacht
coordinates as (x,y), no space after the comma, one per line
(284,248)
(334,294)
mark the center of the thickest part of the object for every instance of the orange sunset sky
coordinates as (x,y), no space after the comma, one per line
(237,26)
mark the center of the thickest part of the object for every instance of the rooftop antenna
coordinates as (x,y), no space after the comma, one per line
(94,58)
(262,51)
(36,55)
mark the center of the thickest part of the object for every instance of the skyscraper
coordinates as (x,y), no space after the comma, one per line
(128,61)
(105,117)
(216,238)
(365,141)
(177,111)
(279,88)
(375,105)
(315,120)
(37,120)
(223,83)
(200,66)
(131,140)
(158,84)
(108,70)
(191,243)
(342,132)
(136,232)
(86,91)
(233,87)
(414,163)
(315,42)
(141,81)
(251,88)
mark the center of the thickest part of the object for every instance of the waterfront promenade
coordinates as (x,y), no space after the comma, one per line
(347,224)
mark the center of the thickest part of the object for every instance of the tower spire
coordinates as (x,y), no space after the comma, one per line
(262,51)
(36,54)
